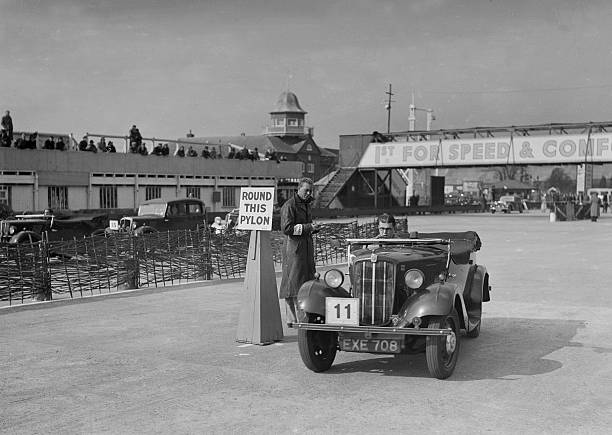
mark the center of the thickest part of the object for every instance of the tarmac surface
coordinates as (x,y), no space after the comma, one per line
(165,361)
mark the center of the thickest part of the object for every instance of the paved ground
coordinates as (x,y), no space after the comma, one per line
(166,361)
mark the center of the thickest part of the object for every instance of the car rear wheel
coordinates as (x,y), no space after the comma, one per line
(317,348)
(442,351)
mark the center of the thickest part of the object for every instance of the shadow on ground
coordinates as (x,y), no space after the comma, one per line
(507,348)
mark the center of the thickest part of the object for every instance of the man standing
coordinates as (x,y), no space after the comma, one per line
(7,127)
(298,258)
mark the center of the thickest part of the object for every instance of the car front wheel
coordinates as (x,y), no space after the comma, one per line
(442,351)
(317,348)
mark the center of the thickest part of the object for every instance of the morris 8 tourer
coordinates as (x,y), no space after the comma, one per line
(408,295)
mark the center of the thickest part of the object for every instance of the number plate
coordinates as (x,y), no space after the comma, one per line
(370,345)
(114,225)
(342,311)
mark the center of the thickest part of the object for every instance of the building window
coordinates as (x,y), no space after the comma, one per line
(292,122)
(108,196)
(279,122)
(309,158)
(193,192)
(301,122)
(5,194)
(229,197)
(310,168)
(152,192)
(309,147)
(58,197)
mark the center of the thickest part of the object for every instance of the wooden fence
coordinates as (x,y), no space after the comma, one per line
(95,265)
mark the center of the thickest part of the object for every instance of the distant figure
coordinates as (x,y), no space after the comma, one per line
(92,147)
(165,150)
(83,144)
(142,149)
(244,153)
(49,144)
(102,145)
(7,127)
(191,152)
(180,151)
(157,150)
(110,148)
(232,154)
(255,154)
(206,152)
(213,153)
(594,207)
(60,145)
(22,143)
(605,203)
(135,139)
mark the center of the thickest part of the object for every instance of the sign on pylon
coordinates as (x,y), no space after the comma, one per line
(260,318)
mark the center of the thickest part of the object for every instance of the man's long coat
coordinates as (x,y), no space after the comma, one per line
(298,249)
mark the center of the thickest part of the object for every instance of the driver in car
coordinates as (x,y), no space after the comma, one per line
(387,229)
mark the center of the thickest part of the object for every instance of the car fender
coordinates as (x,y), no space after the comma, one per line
(25,237)
(436,300)
(479,290)
(312,294)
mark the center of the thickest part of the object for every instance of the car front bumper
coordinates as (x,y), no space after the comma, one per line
(369,329)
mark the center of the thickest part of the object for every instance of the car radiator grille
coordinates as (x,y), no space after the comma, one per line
(374,285)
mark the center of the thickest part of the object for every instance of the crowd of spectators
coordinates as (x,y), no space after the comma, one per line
(136,145)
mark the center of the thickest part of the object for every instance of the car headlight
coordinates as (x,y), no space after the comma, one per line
(414,279)
(12,230)
(333,278)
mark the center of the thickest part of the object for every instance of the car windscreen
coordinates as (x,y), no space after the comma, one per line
(156,209)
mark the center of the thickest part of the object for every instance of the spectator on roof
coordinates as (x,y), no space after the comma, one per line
(232,154)
(92,147)
(135,138)
(110,147)
(165,150)
(213,153)
(83,144)
(49,144)
(7,128)
(21,142)
(255,154)
(157,150)
(206,152)
(191,152)
(102,145)
(180,151)
(60,145)
(142,149)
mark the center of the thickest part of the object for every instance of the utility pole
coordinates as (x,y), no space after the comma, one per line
(388,107)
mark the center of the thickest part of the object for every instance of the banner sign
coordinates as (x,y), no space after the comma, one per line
(522,150)
(256,208)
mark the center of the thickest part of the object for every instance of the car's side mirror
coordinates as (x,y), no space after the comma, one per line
(317,275)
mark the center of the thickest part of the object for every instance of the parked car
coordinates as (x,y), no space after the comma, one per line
(407,296)
(161,215)
(508,204)
(29,228)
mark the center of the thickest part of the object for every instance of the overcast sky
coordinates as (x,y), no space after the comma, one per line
(217,67)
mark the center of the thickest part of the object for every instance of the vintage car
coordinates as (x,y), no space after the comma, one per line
(407,295)
(160,215)
(507,204)
(29,228)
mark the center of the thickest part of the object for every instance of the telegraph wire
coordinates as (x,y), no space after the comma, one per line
(517,91)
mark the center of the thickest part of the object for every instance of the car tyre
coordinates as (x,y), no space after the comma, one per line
(442,351)
(317,348)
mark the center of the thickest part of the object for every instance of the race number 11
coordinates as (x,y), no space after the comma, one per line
(342,311)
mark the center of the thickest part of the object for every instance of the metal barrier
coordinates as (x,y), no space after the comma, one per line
(96,265)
